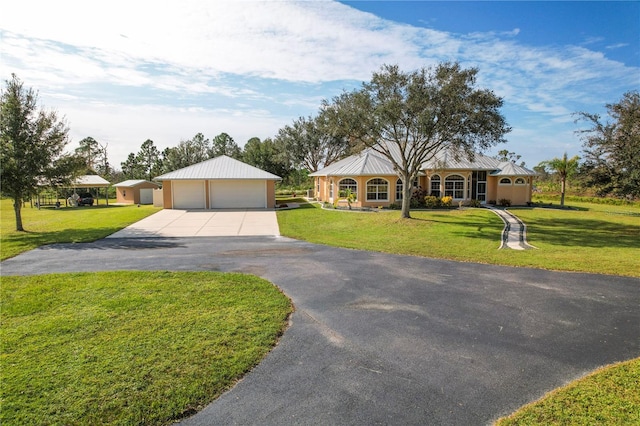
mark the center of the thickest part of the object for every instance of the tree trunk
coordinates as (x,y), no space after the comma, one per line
(407,190)
(17,206)
(562,187)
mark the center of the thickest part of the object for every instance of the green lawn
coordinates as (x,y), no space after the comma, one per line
(565,238)
(609,396)
(64,225)
(129,347)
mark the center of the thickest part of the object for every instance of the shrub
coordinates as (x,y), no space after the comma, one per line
(492,202)
(505,202)
(395,206)
(475,203)
(446,201)
(431,202)
(417,198)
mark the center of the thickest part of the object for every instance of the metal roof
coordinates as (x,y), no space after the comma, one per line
(133,182)
(89,181)
(508,168)
(221,167)
(372,163)
(447,159)
(366,163)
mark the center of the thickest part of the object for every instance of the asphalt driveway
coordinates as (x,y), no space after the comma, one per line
(203,223)
(384,339)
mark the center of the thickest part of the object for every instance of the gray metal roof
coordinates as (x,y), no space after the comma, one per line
(366,163)
(222,167)
(90,181)
(508,168)
(448,160)
(133,182)
(372,163)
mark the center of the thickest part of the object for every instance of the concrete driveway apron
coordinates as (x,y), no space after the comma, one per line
(384,339)
(203,223)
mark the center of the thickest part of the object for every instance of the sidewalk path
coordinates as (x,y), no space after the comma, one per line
(514,234)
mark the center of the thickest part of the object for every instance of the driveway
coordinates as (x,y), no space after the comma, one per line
(384,339)
(203,223)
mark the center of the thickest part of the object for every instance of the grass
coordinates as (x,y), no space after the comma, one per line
(609,396)
(65,225)
(565,238)
(129,347)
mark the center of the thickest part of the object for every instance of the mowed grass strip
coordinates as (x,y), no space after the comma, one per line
(65,225)
(567,240)
(609,396)
(586,238)
(129,347)
(454,234)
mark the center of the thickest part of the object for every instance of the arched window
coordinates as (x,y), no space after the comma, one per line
(520,181)
(505,181)
(435,185)
(377,190)
(347,183)
(454,187)
(399,191)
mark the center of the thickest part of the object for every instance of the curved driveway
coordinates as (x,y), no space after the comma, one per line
(385,339)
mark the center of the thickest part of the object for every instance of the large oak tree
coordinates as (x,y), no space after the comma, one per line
(32,141)
(409,117)
(310,144)
(612,148)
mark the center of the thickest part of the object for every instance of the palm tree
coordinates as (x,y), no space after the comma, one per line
(564,168)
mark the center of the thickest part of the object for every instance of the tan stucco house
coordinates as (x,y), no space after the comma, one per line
(219,183)
(373,179)
(135,191)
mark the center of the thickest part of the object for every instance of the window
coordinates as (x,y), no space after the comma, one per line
(454,187)
(318,186)
(377,190)
(331,190)
(435,185)
(505,181)
(399,188)
(349,184)
(520,181)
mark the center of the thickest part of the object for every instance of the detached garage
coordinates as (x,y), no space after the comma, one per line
(135,191)
(219,183)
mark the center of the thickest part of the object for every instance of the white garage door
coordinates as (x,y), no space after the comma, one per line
(229,194)
(188,194)
(146,196)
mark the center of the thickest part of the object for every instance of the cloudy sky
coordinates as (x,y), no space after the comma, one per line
(126,71)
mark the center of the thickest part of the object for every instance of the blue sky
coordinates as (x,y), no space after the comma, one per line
(123,72)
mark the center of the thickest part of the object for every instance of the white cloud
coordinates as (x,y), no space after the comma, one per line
(616,46)
(165,125)
(252,66)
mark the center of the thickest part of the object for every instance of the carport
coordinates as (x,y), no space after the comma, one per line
(85,182)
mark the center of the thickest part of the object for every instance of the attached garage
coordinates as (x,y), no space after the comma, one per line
(219,183)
